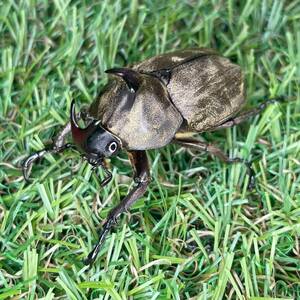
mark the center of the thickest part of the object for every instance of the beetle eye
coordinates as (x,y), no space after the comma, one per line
(112,147)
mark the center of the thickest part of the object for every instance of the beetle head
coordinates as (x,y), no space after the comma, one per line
(94,141)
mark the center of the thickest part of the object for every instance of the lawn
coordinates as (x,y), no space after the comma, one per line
(198,233)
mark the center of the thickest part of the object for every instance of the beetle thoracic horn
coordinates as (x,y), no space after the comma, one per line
(131,77)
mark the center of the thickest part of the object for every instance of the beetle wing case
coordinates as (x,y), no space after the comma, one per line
(145,119)
(196,87)
(214,88)
(205,87)
(169,61)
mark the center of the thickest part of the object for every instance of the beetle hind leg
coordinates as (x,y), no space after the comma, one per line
(202,146)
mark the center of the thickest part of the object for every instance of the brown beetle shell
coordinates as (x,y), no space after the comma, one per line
(194,87)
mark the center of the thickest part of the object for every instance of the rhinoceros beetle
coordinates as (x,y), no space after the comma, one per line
(147,106)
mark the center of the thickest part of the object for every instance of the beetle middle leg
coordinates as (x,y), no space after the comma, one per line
(140,165)
(214,150)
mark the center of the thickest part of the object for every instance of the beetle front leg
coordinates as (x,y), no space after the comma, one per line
(140,165)
(57,146)
(202,146)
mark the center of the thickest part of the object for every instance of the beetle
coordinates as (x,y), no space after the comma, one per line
(147,106)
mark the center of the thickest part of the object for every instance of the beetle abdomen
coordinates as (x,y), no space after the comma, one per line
(207,91)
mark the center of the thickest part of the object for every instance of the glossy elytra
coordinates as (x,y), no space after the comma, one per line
(149,106)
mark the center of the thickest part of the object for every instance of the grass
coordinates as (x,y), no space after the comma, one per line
(198,233)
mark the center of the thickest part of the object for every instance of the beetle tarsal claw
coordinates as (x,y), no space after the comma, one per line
(251,174)
(106,180)
(26,169)
(94,253)
(27,163)
(95,163)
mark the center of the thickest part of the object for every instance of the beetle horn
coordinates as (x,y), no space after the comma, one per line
(73,118)
(131,77)
(79,134)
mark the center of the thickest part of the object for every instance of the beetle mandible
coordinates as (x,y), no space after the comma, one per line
(147,106)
